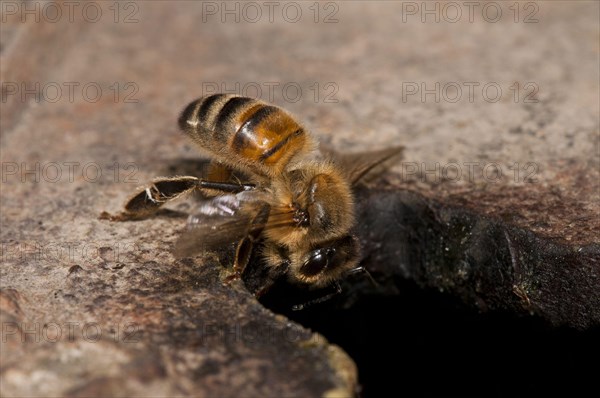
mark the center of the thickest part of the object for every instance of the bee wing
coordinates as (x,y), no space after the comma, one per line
(357,165)
(226,219)
(210,235)
(221,220)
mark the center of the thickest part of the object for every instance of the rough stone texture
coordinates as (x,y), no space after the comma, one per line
(526,242)
(489,263)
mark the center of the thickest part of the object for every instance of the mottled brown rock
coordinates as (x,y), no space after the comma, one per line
(532,243)
(490,263)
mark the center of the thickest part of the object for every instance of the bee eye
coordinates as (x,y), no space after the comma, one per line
(317,261)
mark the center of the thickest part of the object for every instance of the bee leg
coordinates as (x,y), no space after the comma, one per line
(364,271)
(338,290)
(264,289)
(150,199)
(218,172)
(165,189)
(225,187)
(275,275)
(246,245)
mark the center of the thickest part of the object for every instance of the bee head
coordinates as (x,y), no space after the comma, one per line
(326,262)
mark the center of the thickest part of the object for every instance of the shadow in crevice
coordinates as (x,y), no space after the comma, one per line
(414,341)
(419,342)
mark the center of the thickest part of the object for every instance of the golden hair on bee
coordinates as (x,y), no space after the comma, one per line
(262,138)
(295,204)
(319,189)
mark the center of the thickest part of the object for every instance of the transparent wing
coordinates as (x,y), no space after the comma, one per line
(209,236)
(357,165)
(226,219)
(219,221)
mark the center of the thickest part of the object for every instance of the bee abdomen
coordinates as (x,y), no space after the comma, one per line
(246,128)
(199,117)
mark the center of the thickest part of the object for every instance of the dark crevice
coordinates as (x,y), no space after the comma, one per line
(465,305)
(419,342)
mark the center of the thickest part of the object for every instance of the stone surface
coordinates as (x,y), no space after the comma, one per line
(525,241)
(489,263)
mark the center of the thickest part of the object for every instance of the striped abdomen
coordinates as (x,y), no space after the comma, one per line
(239,129)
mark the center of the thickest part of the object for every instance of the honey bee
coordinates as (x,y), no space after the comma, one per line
(295,202)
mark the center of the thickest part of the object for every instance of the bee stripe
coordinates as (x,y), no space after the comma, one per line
(279,145)
(206,109)
(196,111)
(257,117)
(186,119)
(231,107)
(246,130)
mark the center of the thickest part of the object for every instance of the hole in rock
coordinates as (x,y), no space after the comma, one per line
(419,342)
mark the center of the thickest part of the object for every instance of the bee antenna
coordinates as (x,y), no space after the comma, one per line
(364,271)
(338,290)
